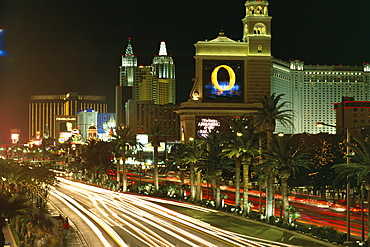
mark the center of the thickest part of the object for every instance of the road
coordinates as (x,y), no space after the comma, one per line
(108,218)
(312,211)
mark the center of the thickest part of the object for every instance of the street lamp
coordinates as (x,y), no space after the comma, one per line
(348,187)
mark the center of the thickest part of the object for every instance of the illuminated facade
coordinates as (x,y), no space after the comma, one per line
(155,82)
(57,113)
(312,89)
(164,89)
(230,75)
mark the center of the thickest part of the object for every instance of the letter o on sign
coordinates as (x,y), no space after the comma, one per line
(231,73)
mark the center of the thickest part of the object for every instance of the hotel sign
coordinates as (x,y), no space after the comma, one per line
(223,80)
(206,125)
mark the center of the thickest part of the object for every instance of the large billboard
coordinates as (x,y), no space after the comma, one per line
(223,80)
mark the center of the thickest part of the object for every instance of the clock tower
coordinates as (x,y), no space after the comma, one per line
(257,27)
(230,75)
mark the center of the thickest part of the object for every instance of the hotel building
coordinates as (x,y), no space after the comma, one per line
(313,89)
(53,114)
(230,75)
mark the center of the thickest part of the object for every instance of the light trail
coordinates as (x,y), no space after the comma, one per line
(149,223)
(87,221)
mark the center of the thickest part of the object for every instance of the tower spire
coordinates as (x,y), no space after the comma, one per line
(163,49)
(129,50)
(129,59)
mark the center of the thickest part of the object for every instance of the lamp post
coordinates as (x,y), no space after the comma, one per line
(348,186)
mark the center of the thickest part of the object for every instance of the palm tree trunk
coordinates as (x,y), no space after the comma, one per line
(182,180)
(213,186)
(237,182)
(218,192)
(155,164)
(284,193)
(2,236)
(192,182)
(118,174)
(368,220)
(199,186)
(270,182)
(245,186)
(124,177)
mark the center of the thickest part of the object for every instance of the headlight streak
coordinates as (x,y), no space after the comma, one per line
(84,218)
(145,236)
(102,224)
(137,207)
(171,229)
(150,236)
(195,225)
(185,217)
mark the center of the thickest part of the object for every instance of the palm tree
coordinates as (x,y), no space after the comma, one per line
(156,133)
(214,163)
(264,119)
(194,153)
(11,205)
(286,158)
(242,148)
(177,161)
(96,155)
(358,167)
(125,137)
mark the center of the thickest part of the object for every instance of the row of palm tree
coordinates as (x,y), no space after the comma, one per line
(20,185)
(246,141)
(213,154)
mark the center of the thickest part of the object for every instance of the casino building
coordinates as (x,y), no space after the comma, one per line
(230,75)
(51,115)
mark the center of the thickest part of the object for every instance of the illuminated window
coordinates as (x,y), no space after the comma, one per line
(259,29)
(259,49)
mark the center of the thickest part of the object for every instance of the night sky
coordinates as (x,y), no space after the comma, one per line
(61,46)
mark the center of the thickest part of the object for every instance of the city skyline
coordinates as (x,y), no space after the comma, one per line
(57,47)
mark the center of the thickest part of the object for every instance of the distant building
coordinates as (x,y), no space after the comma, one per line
(352,115)
(55,114)
(95,125)
(165,85)
(85,120)
(154,82)
(106,126)
(143,114)
(312,89)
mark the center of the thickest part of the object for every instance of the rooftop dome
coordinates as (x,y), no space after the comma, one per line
(222,38)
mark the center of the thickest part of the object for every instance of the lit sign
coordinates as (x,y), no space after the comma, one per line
(65,119)
(223,80)
(207,125)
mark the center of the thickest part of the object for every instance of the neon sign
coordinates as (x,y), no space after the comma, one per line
(207,125)
(223,80)
(231,73)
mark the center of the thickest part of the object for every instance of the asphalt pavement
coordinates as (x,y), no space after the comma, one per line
(251,228)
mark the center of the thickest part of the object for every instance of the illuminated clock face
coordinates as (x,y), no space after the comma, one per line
(223,80)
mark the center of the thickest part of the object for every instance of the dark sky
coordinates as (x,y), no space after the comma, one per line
(61,46)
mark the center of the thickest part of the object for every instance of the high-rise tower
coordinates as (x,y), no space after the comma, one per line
(164,68)
(155,82)
(127,69)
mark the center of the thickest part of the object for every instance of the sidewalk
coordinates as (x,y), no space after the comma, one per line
(72,238)
(9,239)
